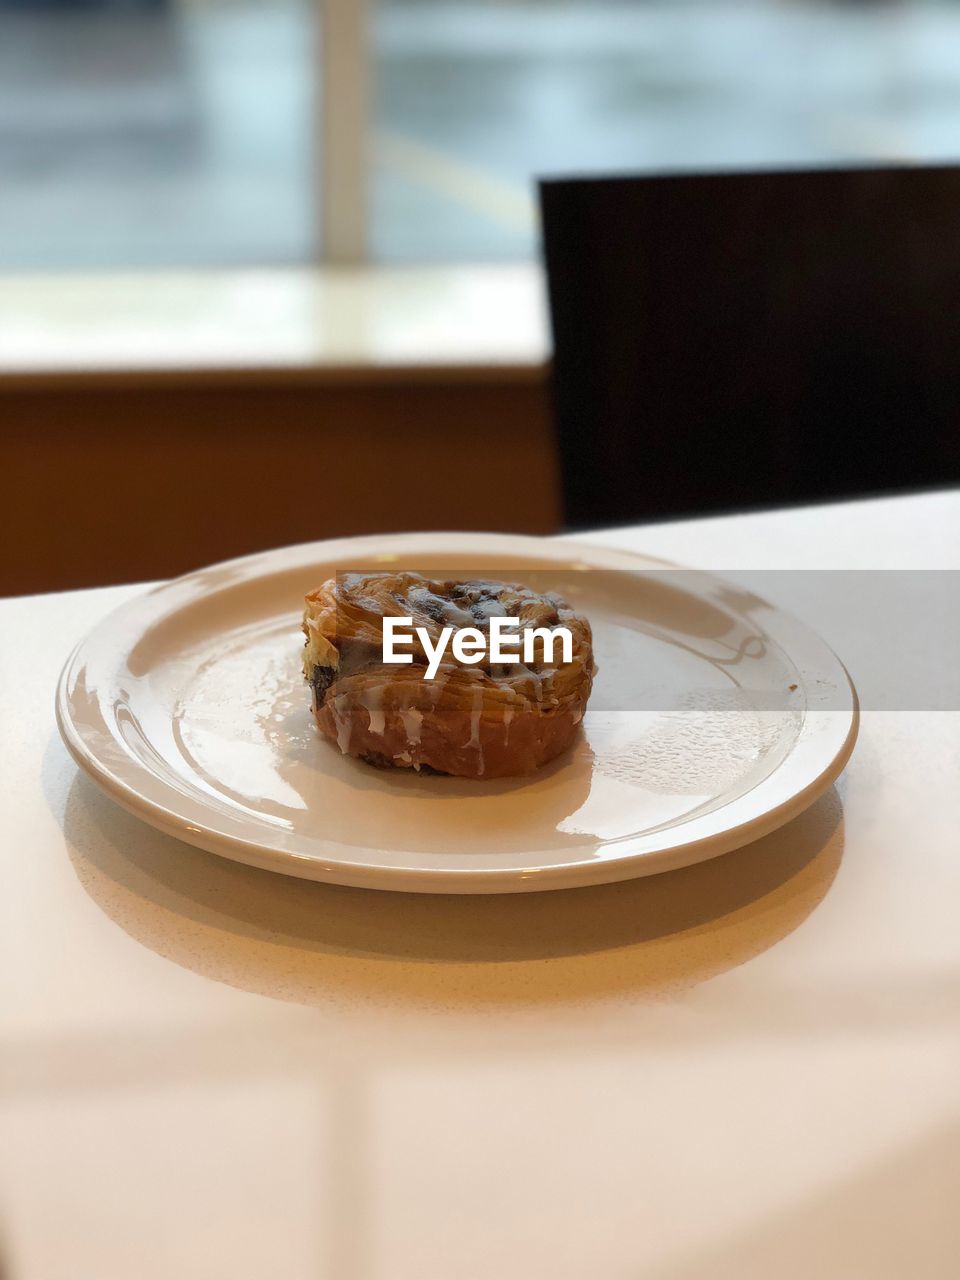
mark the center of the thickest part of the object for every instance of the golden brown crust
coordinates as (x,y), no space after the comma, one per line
(472,721)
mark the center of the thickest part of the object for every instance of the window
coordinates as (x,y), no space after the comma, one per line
(154,132)
(179,132)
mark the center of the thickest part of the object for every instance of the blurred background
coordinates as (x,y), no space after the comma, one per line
(148,133)
(264,231)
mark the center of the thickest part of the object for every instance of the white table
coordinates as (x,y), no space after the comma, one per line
(750,1069)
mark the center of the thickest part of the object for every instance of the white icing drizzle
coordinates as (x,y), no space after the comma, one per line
(378,722)
(475,713)
(412,722)
(373,702)
(424,600)
(344,726)
(507,717)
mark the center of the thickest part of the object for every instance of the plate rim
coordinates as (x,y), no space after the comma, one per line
(458,880)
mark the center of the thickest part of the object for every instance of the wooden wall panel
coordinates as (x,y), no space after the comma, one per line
(114,484)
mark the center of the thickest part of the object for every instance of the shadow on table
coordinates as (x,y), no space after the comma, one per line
(312,943)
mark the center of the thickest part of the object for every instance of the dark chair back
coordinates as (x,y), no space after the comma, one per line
(735,340)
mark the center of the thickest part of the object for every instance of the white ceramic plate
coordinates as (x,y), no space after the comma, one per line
(715,718)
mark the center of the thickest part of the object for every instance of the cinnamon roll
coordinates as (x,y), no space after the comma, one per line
(484,719)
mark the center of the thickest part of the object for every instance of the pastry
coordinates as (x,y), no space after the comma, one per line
(475,718)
